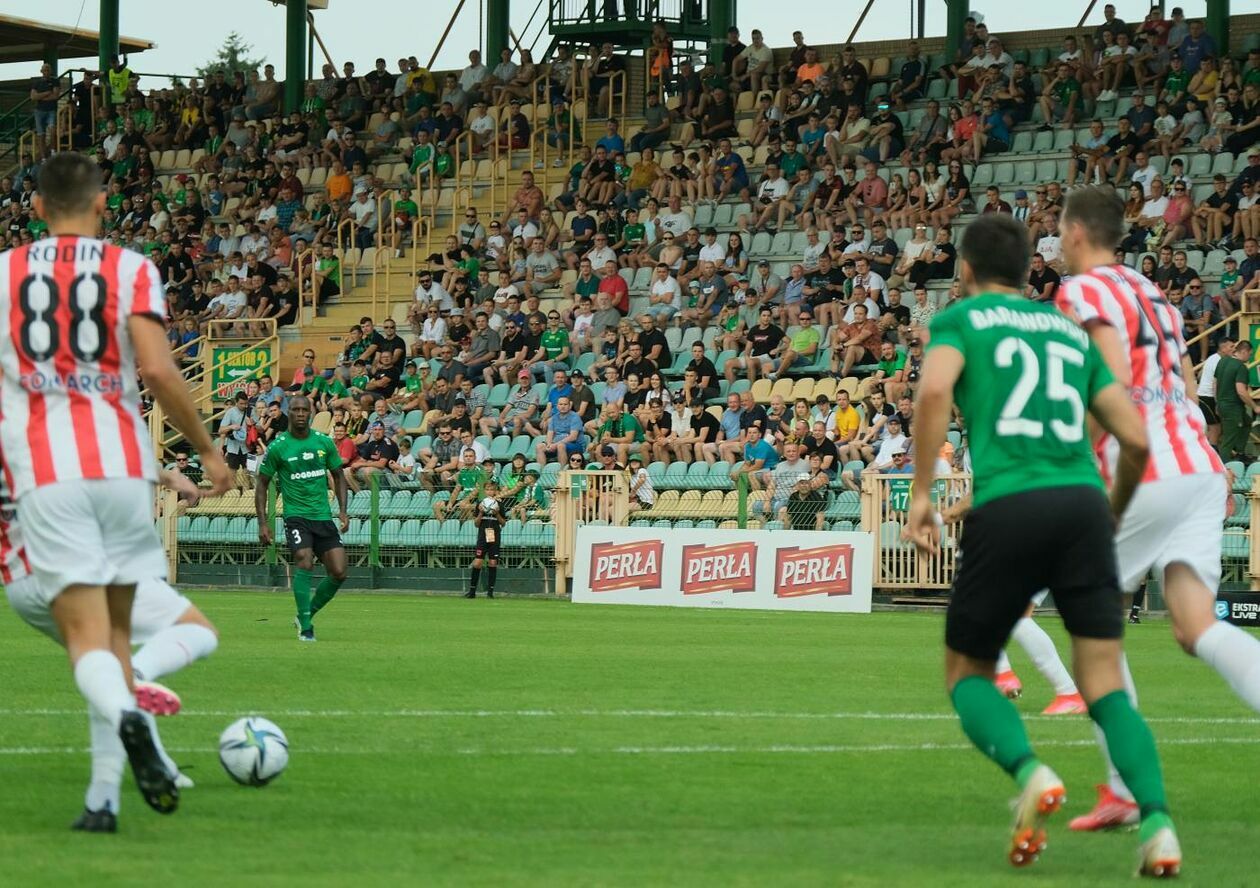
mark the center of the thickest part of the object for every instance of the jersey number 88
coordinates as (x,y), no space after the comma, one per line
(39,297)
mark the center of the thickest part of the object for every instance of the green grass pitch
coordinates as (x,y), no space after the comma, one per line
(438,741)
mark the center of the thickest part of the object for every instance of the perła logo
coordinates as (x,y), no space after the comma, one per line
(728,568)
(626,565)
(825,570)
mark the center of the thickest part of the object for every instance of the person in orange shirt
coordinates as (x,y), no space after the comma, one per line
(338,183)
(812,69)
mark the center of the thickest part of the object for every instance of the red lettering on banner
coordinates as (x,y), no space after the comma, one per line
(825,570)
(626,565)
(728,568)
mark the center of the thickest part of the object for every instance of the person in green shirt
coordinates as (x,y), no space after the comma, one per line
(469,480)
(327,273)
(1234,402)
(792,161)
(1024,375)
(512,480)
(532,499)
(301,461)
(619,430)
(891,372)
(444,163)
(114,199)
(555,342)
(633,239)
(1061,98)
(331,393)
(422,155)
(801,344)
(1175,82)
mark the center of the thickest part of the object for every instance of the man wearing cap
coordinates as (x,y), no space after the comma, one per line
(642,494)
(805,507)
(894,442)
(766,282)
(522,406)
(581,397)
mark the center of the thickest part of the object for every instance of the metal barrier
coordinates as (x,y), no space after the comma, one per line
(586,497)
(403,532)
(898,564)
(201,382)
(304,283)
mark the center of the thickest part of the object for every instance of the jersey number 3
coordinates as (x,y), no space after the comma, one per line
(39,298)
(1011,422)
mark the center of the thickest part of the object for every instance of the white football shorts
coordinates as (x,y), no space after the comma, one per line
(1172,521)
(93,533)
(157,606)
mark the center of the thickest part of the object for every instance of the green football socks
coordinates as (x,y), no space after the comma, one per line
(993,724)
(1132,750)
(302,595)
(324,593)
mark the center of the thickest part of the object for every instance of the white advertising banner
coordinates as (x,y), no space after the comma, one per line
(750,569)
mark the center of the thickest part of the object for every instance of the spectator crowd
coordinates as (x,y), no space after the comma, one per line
(635,319)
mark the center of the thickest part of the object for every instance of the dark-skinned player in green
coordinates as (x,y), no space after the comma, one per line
(301,460)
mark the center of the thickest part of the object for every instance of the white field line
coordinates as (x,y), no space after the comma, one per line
(631,714)
(777,749)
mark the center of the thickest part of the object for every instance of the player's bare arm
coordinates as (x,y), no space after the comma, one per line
(1112,350)
(933,407)
(177,481)
(261,487)
(339,491)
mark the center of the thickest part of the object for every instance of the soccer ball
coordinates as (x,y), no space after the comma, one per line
(489,505)
(253,751)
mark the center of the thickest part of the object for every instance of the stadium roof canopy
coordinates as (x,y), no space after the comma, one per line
(26,40)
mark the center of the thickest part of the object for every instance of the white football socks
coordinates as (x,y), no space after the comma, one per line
(100,678)
(1236,656)
(108,758)
(172,649)
(1003,662)
(1040,648)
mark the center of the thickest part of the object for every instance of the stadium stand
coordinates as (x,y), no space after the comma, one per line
(724,292)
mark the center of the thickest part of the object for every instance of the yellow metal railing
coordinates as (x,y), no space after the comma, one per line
(200,381)
(898,564)
(586,498)
(304,283)
(618,96)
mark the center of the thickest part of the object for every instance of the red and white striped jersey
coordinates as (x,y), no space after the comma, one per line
(1150,331)
(13,563)
(69,397)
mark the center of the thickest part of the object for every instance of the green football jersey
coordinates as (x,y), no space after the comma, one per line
(299,466)
(554,341)
(1030,374)
(471,479)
